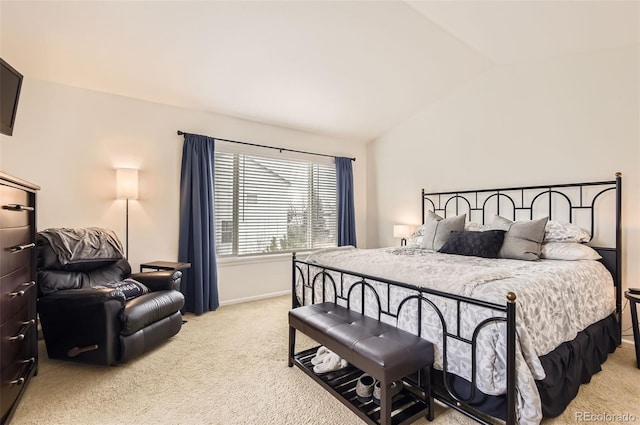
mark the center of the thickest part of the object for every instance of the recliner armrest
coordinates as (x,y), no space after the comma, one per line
(160,280)
(84,296)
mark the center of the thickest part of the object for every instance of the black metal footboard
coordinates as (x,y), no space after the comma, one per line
(313,283)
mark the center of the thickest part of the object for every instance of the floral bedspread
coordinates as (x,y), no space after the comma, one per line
(555,300)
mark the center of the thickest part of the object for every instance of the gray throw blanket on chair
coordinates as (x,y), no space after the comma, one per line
(82,245)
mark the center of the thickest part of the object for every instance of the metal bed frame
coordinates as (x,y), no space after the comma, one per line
(519,200)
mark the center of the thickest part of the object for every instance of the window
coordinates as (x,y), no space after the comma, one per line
(267,205)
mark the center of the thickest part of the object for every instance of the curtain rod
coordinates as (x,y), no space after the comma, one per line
(181,133)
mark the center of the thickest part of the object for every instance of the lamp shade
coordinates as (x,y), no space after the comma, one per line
(401,230)
(127,183)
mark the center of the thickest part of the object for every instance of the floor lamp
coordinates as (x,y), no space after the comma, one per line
(127,188)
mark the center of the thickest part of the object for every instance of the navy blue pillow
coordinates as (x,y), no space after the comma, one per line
(485,244)
(129,287)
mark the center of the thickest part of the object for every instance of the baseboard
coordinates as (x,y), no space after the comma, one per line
(255,298)
(628,342)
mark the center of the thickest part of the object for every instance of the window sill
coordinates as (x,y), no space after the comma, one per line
(256,259)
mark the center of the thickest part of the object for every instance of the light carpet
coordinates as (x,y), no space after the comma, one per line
(230,367)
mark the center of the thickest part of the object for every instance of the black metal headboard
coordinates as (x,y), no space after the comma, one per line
(584,204)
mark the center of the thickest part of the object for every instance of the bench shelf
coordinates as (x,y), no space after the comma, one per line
(407,406)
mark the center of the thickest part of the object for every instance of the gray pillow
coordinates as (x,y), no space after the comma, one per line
(438,229)
(523,240)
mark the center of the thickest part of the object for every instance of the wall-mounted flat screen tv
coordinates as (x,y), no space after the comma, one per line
(10,85)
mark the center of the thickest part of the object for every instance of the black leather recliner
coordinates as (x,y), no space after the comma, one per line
(88,314)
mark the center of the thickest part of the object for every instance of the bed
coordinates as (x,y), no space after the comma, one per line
(514,338)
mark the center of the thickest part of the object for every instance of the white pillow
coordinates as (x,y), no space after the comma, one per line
(475,227)
(419,231)
(556,231)
(437,229)
(415,241)
(568,251)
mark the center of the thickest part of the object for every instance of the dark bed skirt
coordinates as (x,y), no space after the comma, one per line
(574,363)
(567,367)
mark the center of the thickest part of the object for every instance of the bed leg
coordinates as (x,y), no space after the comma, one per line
(292,344)
(511,359)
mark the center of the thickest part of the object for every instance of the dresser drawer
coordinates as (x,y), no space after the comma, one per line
(14,379)
(18,334)
(24,349)
(15,207)
(17,247)
(17,291)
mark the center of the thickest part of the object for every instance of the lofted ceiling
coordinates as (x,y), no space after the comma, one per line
(349,69)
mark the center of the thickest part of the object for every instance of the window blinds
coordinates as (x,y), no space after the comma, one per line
(267,205)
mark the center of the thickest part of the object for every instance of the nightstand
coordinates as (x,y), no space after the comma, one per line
(634,299)
(164,265)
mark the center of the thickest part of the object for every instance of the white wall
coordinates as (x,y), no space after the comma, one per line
(69,141)
(570,119)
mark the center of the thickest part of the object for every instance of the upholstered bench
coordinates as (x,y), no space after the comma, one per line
(381,350)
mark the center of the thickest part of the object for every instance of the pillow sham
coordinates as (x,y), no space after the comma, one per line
(556,231)
(419,231)
(129,287)
(485,244)
(523,239)
(568,251)
(438,229)
(475,227)
(415,242)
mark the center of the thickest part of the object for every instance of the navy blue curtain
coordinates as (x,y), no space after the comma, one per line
(346,211)
(197,244)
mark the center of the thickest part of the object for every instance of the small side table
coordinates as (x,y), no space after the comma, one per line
(164,265)
(634,299)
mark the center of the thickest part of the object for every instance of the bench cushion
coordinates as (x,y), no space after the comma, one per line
(384,351)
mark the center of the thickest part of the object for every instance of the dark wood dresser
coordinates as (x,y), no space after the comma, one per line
(18,292)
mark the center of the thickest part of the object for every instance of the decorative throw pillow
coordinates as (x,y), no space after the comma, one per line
(485,244)
(568,251)
(129,287)
(438,229)
(556,231)
(523,239)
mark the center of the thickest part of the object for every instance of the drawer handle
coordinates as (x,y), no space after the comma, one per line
(27,324)
(19,248)
(28,361)
(17,207)
(21,292)
(18,381)
(21,380)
